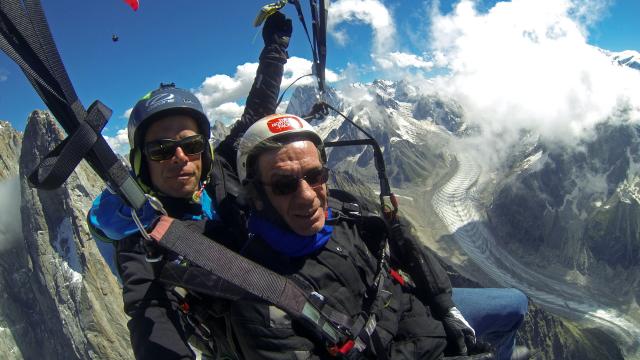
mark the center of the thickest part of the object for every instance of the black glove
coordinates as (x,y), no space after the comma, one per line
(460,335)
(480,348)
(277,30)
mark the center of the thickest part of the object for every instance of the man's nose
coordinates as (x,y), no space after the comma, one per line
(180,155)
(305,191)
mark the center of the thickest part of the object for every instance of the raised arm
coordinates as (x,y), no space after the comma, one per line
(263,97)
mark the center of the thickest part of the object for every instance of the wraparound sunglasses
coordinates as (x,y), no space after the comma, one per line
(164,149)
(285,185)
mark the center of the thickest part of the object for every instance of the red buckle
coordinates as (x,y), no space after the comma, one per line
(184,306)
(397,277)
(343,349)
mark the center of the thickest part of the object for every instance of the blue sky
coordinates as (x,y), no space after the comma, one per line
(211,47)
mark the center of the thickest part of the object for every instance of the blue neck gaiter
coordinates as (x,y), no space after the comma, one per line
(286,241)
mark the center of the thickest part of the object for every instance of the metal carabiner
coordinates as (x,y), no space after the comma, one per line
(152,255)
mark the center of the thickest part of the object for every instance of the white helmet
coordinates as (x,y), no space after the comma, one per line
(274,127)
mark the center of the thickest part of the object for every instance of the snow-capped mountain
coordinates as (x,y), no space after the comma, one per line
(410,128)
(628,58)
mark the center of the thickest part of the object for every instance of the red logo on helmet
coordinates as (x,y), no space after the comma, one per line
(284,123)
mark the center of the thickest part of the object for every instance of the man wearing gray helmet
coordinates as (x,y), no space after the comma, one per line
(172,159)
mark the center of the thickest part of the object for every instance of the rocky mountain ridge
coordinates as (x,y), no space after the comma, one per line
(579,209)
(61,300)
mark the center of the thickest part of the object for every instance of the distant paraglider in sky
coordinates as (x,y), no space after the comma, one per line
(114,38)
(133,3)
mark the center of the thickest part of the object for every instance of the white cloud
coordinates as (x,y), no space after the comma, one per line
(120,142)
(370,12)
(222,94)
(219,89)
(297,67)
(227,112)
(127,113)
(384,48)
(588,12)
(404,60)
(526,64)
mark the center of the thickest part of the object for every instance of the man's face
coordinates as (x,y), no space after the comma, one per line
(304,209)
(178,176)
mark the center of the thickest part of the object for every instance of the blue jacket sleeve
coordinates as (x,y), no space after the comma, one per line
(112,217)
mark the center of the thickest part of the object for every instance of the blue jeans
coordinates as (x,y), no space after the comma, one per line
(495,315)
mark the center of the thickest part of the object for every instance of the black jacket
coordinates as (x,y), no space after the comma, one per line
(343,271)
(157,328)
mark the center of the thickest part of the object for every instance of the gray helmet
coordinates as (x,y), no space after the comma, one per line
(164,101)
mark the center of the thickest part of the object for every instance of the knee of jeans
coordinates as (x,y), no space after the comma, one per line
(520,305)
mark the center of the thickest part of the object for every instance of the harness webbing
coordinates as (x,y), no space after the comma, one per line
(308,308)
(240,278)
(26,39)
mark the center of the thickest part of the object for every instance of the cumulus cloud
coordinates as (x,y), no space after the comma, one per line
(226,112)
(221,88)
(120,142)
(370,12)
(222,94)
(404,60)
(526,64)
(384,50)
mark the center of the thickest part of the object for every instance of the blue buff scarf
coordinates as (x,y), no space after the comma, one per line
(286,241)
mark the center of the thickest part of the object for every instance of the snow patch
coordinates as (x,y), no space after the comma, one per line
(71,277)
(65,246)
(629,192)
(531,160)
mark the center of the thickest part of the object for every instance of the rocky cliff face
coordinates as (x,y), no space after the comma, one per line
(579,208)
(10,141)
(59,300)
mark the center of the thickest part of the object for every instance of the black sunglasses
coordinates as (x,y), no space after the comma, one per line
(164,149)
(285,185)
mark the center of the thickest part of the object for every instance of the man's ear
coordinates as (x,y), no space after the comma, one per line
(253,196)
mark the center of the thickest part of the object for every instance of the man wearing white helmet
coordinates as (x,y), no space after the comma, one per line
(298,230)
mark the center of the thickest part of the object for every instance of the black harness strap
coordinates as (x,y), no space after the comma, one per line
(56,167)
(25,38)
(337,330)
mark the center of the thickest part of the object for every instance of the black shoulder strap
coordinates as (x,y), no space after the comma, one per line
(240,274)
